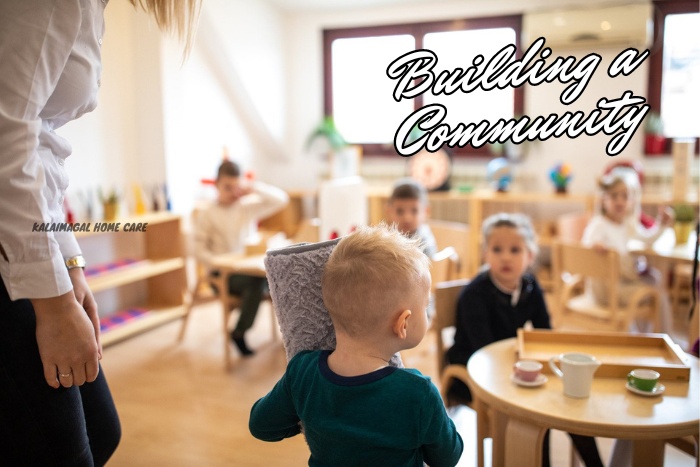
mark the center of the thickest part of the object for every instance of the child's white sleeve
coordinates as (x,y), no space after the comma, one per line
(265,200)
(202,229)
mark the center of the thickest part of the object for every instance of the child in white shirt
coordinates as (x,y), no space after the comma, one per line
(616,225)
(223,228)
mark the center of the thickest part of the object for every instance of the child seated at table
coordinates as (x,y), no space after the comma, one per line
(501,299)
(408,209)
(617,223)
(354,408)
(223,227)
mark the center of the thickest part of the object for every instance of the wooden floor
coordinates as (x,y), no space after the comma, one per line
(179,407)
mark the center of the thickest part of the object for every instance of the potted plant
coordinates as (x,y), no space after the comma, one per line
(327,131)
(110,204)
(654,139)
(685,215)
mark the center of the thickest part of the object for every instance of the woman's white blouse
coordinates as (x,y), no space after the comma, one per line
(50,67)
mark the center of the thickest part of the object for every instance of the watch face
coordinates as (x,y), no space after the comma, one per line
(432,169)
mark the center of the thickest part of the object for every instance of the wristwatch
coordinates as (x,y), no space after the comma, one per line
(75,262)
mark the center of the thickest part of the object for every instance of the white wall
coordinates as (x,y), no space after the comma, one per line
(161,120)
(229,93)
(104,141)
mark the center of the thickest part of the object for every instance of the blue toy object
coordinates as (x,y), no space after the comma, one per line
(500,173)
(560,176)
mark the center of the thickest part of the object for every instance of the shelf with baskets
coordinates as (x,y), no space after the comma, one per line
(138,278)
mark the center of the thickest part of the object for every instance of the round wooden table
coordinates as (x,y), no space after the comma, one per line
(519,416)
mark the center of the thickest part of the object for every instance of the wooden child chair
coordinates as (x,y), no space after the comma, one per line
(446,297)
(210,287)
(455,235)
(444,265)
(573,264)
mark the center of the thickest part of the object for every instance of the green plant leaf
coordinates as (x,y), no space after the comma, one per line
(327,130)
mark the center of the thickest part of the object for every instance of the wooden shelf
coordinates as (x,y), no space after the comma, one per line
(153,318)
(155,262)
(151,219)
(134,272)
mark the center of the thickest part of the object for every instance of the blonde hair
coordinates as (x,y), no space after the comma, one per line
(520,222)
(630,178)
(369,274)
(176,16)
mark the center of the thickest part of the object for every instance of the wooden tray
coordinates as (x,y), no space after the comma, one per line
(618,352)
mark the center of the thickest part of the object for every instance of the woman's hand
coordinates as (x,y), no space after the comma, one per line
(84,296)
(67,343)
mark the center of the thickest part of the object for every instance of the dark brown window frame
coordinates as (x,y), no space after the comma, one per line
(417,30)
(663,8)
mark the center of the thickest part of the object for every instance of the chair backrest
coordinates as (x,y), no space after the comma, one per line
(446,297)
(574,258)
(444,266)
(455,235)
(570,226)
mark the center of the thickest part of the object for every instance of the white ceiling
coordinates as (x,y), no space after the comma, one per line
(307,5)
(331,5)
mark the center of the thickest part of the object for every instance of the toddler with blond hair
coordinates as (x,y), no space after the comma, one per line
(354,407)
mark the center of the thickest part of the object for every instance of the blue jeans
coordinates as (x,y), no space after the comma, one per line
(40,425)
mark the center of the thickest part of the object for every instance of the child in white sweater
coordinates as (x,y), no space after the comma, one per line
(223,228)
(616,225)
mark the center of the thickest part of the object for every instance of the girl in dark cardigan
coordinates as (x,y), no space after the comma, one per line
(502,299)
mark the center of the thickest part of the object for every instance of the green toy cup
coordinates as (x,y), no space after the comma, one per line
(644,380)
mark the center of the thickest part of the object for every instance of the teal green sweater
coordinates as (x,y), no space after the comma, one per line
(390,417)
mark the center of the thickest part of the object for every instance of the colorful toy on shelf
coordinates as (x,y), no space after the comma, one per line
(560,176)
(500,173)
(110,204)
(166,196)
(139,200)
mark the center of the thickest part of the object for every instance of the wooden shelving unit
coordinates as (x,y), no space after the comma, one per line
(153,279)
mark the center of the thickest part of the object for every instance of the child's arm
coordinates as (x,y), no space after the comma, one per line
(442,446)
(202,230)
(273,417)
(268,201)
(664,219)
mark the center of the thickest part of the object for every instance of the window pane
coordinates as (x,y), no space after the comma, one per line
(457,49)
(363,107)
(680,85)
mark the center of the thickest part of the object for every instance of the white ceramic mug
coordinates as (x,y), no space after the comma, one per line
(576,371)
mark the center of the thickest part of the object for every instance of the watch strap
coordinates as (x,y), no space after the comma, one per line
(75,262)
